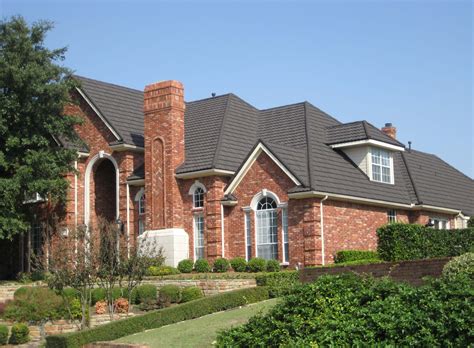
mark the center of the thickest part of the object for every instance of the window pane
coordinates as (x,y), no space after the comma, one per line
(199,236)
(376,172)
(267,234)
(248,235)
(141,226)
(286,251)
(198,198)
(141,205)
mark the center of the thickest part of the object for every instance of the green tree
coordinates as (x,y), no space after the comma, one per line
(470,223)
(34,89)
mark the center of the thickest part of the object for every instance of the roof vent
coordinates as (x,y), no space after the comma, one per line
(213,95)
(388,124)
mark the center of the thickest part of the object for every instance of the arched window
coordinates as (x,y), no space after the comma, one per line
(140,198)
(198,198)
(141,205)
(267,228)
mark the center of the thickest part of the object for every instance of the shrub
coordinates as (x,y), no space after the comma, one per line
(185,266)
(37,304)
(3,335)
(159,318)
(21,292)
(98,294)
(221,265)
(70,294)
(119,293)
(461,265)
(190,293)
(202,266)
(121,305)
(279,284)
(358,262)
(101,307)
(161,271)
(355,255)
(169,292)
(145,293)
(257,265)
(37,276)
(348,310)
(408,242)
(75,309)
(20,334)
(239,264)
(155,261)
(273,266)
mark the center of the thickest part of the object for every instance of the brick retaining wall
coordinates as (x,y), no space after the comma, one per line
(411,272)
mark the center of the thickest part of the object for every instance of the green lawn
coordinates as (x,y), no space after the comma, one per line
(200,332)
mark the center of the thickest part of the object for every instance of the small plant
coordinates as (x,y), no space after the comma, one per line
(185,266)
(161,271)
(20,334)
(190,293)
(101,307)
(257,265)
(121,305)
(273,266)
(344,256)
(3,335)
(239,264)
(221,265)
(461,265)
(146,293)
(171,292)
(202,266)
(98,294)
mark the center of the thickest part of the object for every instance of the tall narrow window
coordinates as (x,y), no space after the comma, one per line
(141,214)
(248,237)
(381,166)
(284,225)
(391,216)
(198,236)
(198,198)
(36,240)
(267,229)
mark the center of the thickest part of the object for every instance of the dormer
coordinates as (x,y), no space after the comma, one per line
(368,148)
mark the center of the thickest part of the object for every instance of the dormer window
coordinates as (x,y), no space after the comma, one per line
(382,165)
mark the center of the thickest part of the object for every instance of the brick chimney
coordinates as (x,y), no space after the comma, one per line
(390,130)
(164,152)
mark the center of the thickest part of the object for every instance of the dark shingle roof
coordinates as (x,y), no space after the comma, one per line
(221,132)
(138,173)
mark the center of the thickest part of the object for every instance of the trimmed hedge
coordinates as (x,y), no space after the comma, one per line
(273,266)
(159,318)
(186,266)
(221,265)
(460,265)
(239,264)
(409,242)
(171,293)
(3,335)
(202,266)
(279,283)
(145,293)
(257,264)
(20,334)
(355,255)
(190,293)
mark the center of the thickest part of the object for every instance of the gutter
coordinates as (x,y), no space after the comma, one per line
(205,172)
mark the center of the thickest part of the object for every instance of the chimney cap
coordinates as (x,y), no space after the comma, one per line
(388,124)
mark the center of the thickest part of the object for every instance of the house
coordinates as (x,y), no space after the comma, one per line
(218,177)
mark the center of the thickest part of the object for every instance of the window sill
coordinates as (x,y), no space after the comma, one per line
(197,210)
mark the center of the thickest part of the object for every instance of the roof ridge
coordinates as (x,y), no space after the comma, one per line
(308,152)
(219,140)
(364,125)
(209,98)
(344,124)
(410,176)
(324,112)
(107,83)
(283,106)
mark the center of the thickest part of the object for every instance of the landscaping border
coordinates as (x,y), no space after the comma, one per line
(159,318)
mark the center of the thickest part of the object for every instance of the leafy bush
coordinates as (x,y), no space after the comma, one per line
(355,255)
(70,294)
(348,310)
(38,275)
(161,271)
(98,294)
(273,266)
(3,335)
(170,292)
(76,309)
(21,292)
(221,265)
(461,265)
(408,242)
(239,264)
(20,334)
(357,262)
(185,266)
(279,284)
(190,293)
(145,293)
(37,304)
(159,318)
(119,293)
(257,265)
(202,266)
(157,261)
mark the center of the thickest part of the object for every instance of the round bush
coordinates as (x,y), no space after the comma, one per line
(221,265)
(461,265)
(257,265)
(21,292)
(185,266)
(146,293)
(202,266)
(20,334)
(3,335)
(171,293)
(190,293)
(161,271)
(273,266)
(98,294)
(239,264)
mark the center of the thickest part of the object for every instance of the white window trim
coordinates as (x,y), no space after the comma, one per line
(253,206)
(195,216)
(369,164)
(192,190)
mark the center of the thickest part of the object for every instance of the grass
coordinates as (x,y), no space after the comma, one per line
(200,332)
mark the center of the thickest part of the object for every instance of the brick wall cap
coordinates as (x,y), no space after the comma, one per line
(164,84)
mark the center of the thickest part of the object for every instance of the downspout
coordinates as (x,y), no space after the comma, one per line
(222,229)
(75,195)
(322,229)
(128,220)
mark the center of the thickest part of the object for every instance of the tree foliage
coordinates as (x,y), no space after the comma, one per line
(34,89)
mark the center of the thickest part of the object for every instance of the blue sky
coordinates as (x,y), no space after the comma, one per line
(405,62)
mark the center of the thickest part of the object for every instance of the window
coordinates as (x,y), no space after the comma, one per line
(267,228)
(141,213)
(198,198)
(284,220)
(440,224)
(141,205)
(36,238)
(391,216)
(198,236)
(381,166)
(248,236)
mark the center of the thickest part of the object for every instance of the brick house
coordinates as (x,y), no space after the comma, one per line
(218,177)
